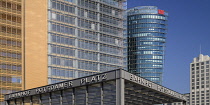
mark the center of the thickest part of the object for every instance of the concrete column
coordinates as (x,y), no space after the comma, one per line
(86,95)
(7,103)
(40,100)
(50,98)
(22,101)
(61,97)
(73,96)
(102,92)
(120,95)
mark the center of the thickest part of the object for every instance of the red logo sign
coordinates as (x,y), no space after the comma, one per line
(161,11)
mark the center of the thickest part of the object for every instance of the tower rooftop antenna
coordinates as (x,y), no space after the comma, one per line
(200,48)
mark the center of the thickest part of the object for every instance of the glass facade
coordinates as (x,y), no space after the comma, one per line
(10,47)
(146,34)
(84,37)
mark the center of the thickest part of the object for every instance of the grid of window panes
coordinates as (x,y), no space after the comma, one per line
(85,37)
(96,94)
(146,45)
(200,83)
(10,47)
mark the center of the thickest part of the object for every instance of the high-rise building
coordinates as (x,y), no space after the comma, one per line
(199,81)
(47,41)
(10,46)
(146,33)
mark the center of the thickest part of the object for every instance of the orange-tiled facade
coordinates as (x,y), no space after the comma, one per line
(10,46)
(48,41)
(16,57)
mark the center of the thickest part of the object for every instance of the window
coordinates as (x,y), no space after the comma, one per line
(16,79)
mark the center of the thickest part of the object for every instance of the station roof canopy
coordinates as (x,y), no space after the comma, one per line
(130,89)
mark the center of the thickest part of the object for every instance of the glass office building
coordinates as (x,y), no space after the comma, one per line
(147,28)
(84,37)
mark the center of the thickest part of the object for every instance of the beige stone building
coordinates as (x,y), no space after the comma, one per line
(199,80)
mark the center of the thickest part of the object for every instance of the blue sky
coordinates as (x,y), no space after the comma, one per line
(188,29)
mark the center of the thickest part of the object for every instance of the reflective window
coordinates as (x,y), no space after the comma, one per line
(56,49)
(111,30)
(134,17)
(45,99)
(62,6)
(107,67)
(110,59)
(88,55)
(87,24)
(87,65)
(61,28)
(109,91)
(90,5)
(67,97)
(80,95)
(88,45)
(58,16)
(110,49)
(94,94)
(110,39)
(147,34)
(55,98)
(62,61)
(87,34)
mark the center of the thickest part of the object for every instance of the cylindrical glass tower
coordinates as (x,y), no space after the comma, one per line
(147,28)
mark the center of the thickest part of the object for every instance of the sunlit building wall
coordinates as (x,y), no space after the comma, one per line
(10,47)
(47,41)
(147,28)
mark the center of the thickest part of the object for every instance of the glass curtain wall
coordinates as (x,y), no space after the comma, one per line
(84,37)
(147,28)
